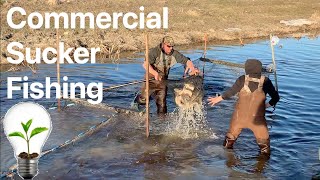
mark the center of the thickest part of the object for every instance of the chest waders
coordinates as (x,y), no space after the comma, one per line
(158,88)
(250,113)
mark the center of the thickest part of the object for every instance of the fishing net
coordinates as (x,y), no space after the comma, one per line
(108,131)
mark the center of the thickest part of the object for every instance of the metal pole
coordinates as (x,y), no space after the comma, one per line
(147,85)
(274,63)
(58,68)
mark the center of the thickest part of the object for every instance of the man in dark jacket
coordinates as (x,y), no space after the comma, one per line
(250,108)
(161,59)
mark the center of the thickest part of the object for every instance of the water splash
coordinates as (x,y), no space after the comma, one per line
(190,123)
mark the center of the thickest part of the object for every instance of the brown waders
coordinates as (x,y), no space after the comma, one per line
(159,90)
(249,113)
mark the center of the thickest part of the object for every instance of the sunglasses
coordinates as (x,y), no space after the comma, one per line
(169,46)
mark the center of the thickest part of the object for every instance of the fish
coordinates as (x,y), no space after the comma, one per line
(191,93)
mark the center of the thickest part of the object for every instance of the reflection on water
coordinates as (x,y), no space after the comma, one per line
(120,149)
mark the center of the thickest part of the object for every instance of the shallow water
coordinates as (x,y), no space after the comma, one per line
(120,150)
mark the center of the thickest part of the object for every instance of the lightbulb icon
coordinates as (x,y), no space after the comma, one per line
(27,126)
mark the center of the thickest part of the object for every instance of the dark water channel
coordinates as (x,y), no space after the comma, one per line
(120,150)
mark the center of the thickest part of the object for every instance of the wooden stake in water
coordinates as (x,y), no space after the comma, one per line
(58,68)
(147,85)
(274,41)
(205,51)
(205,45)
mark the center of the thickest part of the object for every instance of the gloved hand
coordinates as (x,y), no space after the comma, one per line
(191,71)
(158,77)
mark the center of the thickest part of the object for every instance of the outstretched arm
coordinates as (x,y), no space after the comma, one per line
(214,100)
(190,68)
(236,87)
(187,62)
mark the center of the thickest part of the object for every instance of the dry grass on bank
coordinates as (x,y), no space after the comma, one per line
(189,20)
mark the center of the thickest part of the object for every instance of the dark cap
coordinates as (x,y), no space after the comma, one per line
(253,67)
(168,40)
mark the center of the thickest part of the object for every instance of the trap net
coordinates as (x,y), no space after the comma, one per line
(83,131)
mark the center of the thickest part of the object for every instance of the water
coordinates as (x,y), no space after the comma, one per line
(189,123)
(120,150)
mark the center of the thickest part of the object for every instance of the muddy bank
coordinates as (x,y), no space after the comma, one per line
(188,22)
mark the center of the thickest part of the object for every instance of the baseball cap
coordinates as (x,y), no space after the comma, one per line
(168,40)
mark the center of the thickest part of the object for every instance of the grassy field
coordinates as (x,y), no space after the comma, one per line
(189,20)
